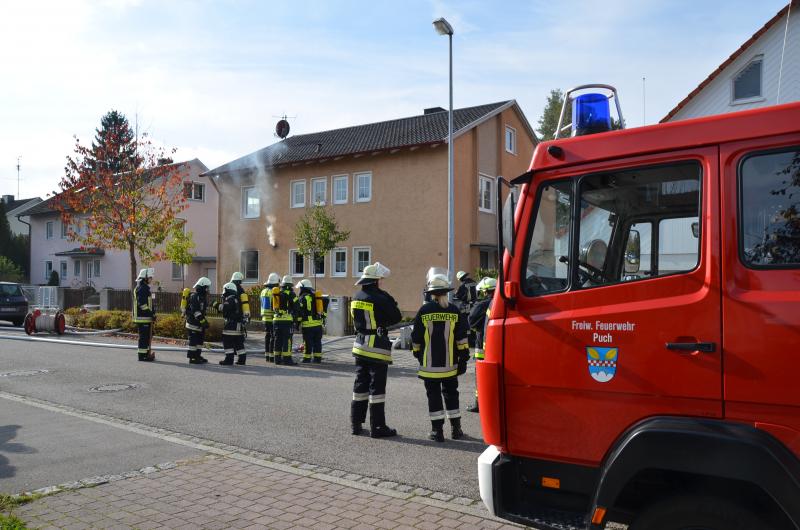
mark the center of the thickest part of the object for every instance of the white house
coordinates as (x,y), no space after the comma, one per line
(752,76)
(13,207)
(100,268)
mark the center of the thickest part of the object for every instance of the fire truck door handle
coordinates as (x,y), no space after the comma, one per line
(706,347)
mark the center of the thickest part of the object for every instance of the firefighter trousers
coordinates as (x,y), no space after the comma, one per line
(436,388)
(196,340)
(312,337)
(145,336)
(282,330)
(233,344)
(269,344)
(369,389)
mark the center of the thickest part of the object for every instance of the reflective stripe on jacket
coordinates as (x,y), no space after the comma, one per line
(373,310)
(439,340)
(142,304)
(266,305)
(196,307)
(286,310)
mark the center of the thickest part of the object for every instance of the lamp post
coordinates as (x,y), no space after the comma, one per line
(444,28)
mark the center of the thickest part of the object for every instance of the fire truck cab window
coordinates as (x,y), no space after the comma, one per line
(550,239)
(625,216)
(769,209)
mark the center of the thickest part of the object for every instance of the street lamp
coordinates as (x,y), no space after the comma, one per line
(443,27)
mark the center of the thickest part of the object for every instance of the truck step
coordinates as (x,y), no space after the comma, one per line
(549,519)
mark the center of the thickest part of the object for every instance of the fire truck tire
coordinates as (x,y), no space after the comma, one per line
(30,324)
(697,513)
(60,323)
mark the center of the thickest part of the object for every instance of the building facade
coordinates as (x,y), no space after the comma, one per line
(760,73)
(52,250)
(385,183)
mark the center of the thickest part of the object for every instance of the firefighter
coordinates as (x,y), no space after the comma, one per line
(439,342)
(196,323)
(283,322)
(233,328)
(466,295)
(373,311)
(144,314)
(311,316)
(478,320)
(267,314)
(244,308)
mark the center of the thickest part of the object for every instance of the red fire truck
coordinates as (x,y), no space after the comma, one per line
(639,353)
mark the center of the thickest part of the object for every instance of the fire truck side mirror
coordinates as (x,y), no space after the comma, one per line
(633,252)
(696,229)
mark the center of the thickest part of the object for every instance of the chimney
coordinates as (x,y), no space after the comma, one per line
(434,110)
(8,199)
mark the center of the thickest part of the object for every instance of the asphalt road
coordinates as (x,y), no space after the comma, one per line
(299,413)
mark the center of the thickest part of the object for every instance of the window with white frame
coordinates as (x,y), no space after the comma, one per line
(76,268)
(88,270)
(194,191)
(362,256)
(340,189)
(295,263)
(362,187)
(319,191)
(62,270)
(298,193)
(48,229)
(511,140)
(48,270)
(177,271)
(251,204)
(319,266)
(64,230)
(485,193)
(747,82)
(97,268)
(249,265)
(339,262)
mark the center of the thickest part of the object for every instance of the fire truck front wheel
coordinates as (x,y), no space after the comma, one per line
(697,513)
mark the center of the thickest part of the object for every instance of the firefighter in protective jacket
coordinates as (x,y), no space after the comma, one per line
(439,342)
(267,314)
(233,329)
(373,311)
(144,314)
(196,323)
(244,308)
(311,316)
(283,306)
(478,320)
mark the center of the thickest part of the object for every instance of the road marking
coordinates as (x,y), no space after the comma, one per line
(343,478)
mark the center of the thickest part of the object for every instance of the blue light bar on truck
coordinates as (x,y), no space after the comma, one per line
(591,113)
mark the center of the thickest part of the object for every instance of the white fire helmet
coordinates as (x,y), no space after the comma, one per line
(146,273)
(438,284)
(486,285)
(230,286)
(373,272)
(460,274)
(287,280)
(304,284)
(237,277)
(273,279)
(202,282)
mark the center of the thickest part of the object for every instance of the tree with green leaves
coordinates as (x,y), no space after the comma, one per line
(13,246)
(9,271)
(316,234)
(180,246)
(114,144)
(548,122)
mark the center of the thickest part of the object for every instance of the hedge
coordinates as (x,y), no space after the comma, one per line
(167,324)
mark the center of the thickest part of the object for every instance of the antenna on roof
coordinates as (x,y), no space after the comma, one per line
(18,159)
(282,127)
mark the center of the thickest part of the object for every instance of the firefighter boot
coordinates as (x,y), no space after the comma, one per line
(269,358)
(228,360)
(437,434)
(455,426)
(318,359)
(358,413)
(377,422)
(242,359)
(288,361)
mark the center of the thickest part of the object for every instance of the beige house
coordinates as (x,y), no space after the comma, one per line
(384,182)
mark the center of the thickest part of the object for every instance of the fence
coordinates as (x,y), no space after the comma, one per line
(165,302)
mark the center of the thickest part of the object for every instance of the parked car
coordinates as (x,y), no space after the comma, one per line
(13,304)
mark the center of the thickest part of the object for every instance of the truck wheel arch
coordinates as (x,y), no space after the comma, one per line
(702,447)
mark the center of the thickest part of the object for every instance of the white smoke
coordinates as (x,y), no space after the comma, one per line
(271,229)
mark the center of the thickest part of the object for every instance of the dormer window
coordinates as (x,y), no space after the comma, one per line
(747,83)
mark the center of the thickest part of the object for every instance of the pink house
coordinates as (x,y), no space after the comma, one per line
(51,250)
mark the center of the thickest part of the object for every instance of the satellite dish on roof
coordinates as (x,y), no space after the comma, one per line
(282,129)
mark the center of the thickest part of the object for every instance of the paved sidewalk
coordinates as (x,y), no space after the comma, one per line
(222,492)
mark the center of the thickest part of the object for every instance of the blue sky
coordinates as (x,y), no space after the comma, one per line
(210,77)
